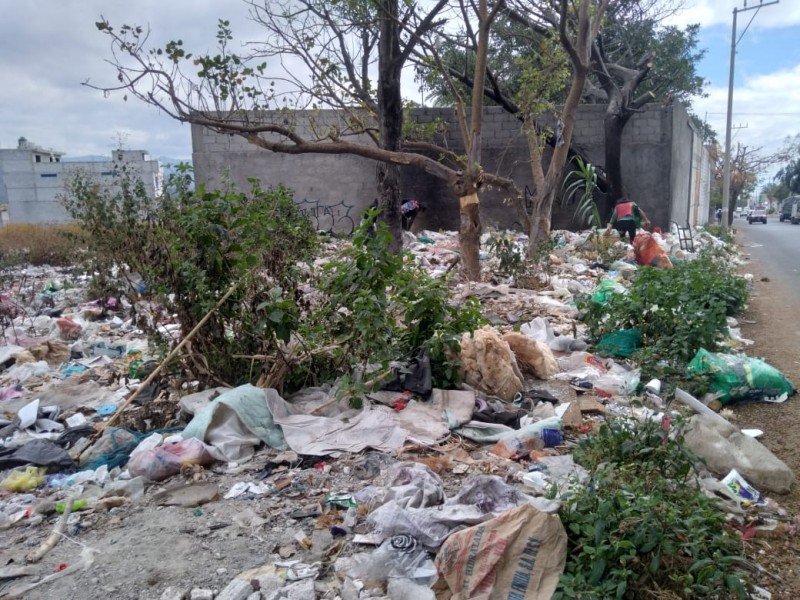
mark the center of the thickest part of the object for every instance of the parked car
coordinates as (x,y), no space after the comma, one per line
(757,214)
(786,208)
(795,216)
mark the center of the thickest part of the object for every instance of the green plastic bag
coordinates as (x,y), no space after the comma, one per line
(606,288)
(621,343)
(740,377)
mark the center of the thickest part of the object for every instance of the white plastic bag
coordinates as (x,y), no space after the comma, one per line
(618,381)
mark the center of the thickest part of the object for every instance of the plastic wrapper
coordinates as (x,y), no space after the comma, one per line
(739,486)
(165,461)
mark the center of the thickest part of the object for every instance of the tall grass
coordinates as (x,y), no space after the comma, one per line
(40,244)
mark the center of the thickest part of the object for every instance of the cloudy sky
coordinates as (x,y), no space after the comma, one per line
(49,47)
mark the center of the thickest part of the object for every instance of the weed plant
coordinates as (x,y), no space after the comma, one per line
(190,246)
(641,528)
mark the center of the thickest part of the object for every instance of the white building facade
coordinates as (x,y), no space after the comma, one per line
(32,179)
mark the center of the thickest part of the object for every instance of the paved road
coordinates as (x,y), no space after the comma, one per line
(775,248)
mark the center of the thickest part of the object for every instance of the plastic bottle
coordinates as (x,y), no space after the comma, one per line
(528,438)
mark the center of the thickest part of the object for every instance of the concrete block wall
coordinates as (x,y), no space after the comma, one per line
(653,139)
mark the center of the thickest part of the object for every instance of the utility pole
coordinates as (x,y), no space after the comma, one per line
(726,178)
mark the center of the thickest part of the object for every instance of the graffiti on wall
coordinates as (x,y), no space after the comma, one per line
(329,217)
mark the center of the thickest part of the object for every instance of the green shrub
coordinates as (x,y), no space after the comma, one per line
(641,524)
(382,306)
(190,247)
(678,311)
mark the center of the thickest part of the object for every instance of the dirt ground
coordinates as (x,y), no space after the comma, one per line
(771,323)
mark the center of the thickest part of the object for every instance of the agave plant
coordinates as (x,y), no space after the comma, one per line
(582,184)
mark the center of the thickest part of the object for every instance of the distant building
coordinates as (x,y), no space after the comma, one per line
(32,178)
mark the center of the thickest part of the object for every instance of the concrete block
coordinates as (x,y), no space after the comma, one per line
(173,593)
(236,590)
(270,586)
(300,590)
(201,594)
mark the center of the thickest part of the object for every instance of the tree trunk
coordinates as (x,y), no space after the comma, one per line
(390,116)
(540,222)
(614,125)
(389,202)
(734,198)
(469,236)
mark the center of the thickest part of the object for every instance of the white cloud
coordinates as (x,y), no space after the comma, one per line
(764,105)
(715,12)
(48,48)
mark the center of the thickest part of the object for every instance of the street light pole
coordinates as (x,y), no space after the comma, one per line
(726,177)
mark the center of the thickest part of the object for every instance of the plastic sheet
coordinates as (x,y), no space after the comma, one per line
(237,421)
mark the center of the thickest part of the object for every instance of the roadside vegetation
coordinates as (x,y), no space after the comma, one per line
(641,527)
(677,311)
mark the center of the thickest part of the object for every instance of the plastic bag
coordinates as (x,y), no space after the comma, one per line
(618,381)
(621,343)
(416,378)
(606,289)
(23,481)
(400,556)
(165,461)
(525,439)
(649,252)
(414,485)
(740,377)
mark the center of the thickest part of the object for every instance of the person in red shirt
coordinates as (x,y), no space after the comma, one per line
(627,217)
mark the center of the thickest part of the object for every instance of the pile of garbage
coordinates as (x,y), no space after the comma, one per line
(418,493)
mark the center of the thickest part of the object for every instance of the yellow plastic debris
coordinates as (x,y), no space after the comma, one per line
(23,481)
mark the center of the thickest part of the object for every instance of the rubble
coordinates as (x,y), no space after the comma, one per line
(307,496)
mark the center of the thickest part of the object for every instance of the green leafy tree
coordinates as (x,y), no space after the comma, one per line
(635,60)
